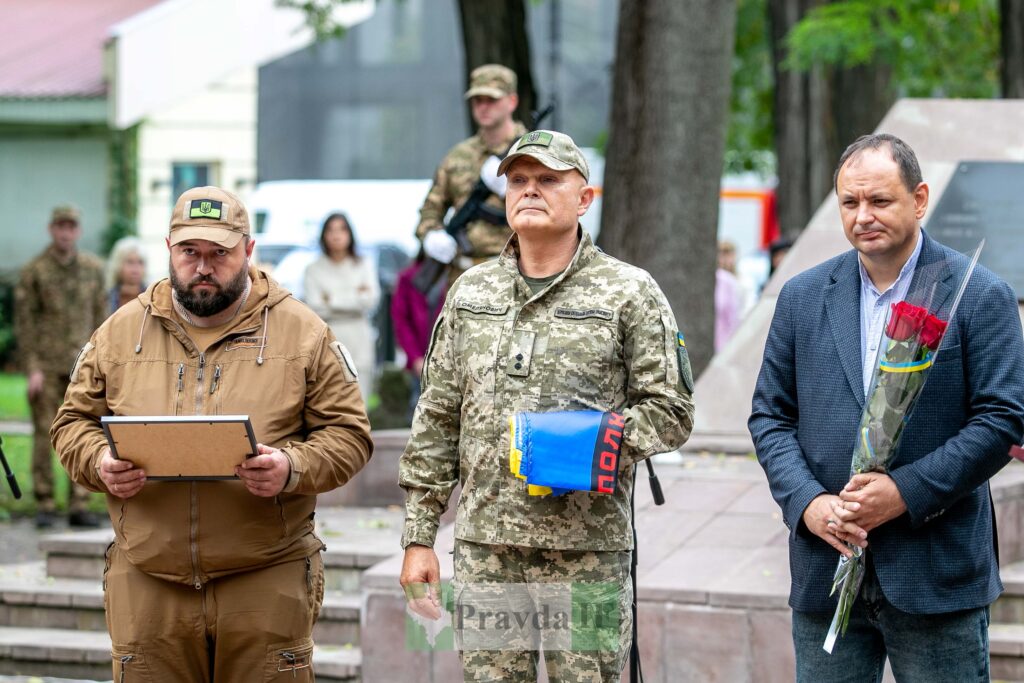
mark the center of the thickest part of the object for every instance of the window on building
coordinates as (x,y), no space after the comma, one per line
(186,175)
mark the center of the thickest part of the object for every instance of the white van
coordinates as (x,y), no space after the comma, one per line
(291,212)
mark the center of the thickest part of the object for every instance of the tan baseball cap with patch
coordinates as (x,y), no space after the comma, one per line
(65,213)
(491,80)
(209,213)
(555,150)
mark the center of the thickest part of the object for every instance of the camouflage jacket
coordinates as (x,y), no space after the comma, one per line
(454,181)
(57,307)
(601,336)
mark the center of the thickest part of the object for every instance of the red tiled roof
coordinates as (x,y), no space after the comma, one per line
(54,48)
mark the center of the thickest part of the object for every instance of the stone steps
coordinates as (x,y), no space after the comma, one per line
(70,653)
(1009,608)
(1006,645)
(1006,632)
(51,611)
(30,599)
(79,555)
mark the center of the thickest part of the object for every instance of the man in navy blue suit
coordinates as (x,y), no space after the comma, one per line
(928,524)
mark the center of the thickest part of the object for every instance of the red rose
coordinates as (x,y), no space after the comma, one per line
(932,332)
(905,322)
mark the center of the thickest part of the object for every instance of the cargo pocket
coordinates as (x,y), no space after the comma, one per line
(129,665)
(291,662)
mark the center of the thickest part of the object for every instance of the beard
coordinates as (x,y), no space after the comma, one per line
(205,303)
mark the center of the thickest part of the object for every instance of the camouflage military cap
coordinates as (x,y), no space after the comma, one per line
(491,80)
(555,150)
(209,213)
(65,213)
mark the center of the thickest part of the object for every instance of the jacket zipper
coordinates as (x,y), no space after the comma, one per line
(199,384)
(181,388)
(124,665)
(216,379)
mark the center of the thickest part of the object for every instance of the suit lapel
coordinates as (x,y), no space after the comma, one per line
(930,286)
(842,305)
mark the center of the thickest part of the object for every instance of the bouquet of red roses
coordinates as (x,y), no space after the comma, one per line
(910,343)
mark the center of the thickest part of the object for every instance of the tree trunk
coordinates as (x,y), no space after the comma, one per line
(817,114)
(1011,19)
(803,141)
(670,106)
(494,32)
(860,98)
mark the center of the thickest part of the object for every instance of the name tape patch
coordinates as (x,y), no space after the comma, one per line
(489,309)
(244,343)
(581,314)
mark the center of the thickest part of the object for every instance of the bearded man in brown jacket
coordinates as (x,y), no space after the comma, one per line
(221,576)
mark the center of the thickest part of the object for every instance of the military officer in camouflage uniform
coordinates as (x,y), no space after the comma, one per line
(60,299)
(553,324)
(493,99)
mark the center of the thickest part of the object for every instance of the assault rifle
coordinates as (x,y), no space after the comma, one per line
(474,208)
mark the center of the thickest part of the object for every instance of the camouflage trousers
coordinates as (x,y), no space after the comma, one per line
(44,410)
(576,605)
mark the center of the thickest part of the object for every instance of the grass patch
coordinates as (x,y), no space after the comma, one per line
(18,449)
(13,399)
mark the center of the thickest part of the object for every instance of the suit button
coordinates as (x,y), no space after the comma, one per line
(519,356)
(519,366)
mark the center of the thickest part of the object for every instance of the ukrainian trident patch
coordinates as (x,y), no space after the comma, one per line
(206,208)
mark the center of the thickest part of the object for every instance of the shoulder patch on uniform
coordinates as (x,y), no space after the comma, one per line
(89,346)
(475,307)
(348,365)
(685,373)
(583,313)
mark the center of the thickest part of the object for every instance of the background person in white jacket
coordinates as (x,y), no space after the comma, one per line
(342,288)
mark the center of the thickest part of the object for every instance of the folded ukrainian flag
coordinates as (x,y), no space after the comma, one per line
(566,451)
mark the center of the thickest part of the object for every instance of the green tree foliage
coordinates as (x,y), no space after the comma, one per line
(936,48)
(750,134)
(319,16)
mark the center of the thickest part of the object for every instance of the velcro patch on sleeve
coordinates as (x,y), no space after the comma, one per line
(348,366)
(685,373)
(89,346)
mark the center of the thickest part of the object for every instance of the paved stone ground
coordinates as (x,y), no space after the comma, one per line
(21,541)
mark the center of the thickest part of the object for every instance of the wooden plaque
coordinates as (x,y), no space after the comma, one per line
(182,447)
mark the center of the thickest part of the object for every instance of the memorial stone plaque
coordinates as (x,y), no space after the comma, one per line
(985,199)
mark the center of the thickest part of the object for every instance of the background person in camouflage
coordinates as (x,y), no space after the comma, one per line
(552,324)
(493,99)
(59,301)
